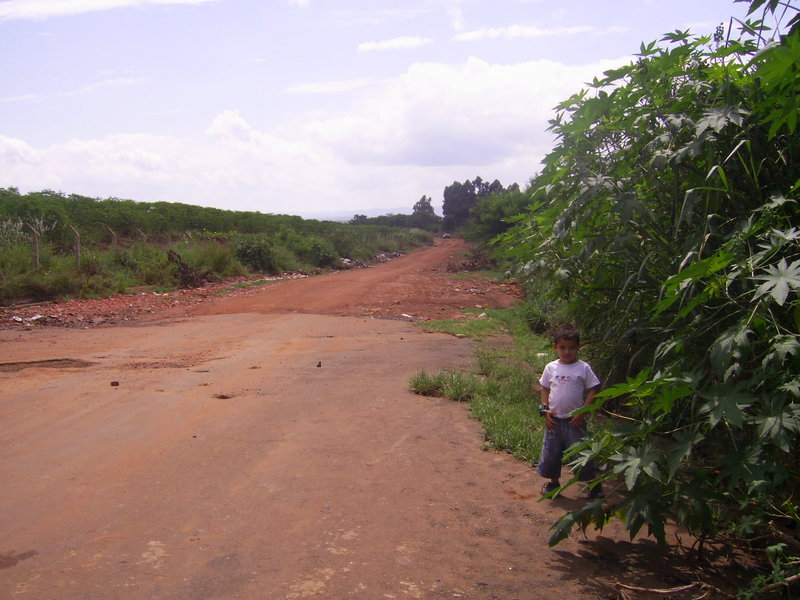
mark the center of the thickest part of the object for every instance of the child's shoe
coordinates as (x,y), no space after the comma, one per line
(550,486)
(596,492)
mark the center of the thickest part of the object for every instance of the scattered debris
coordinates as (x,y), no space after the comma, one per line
(346,263)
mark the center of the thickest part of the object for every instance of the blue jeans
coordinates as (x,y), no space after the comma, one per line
(555,443)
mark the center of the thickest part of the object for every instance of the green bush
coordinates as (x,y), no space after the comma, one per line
(147,264)
(318,252)
(257,253)
(15,259)
(217,260)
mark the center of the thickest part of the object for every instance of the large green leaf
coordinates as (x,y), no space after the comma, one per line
(726,401)
(779,280)
(633,462)
(680,449)
(729,347)
(780,424)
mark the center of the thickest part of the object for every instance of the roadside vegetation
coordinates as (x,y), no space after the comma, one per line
(89,248)
(664,224)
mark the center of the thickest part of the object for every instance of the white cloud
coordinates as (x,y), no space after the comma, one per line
(398,43)
(106,83)
(21,98)
(42,9)
(373,16)
(456,17)
(300,3)
(15,151)
(475,113)
(520,31)
(328,87)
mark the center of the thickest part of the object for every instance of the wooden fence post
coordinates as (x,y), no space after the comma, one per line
(113,237)
(35,246)
(143,234)
(77,247)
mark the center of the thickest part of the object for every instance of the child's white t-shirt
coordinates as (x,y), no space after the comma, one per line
(567,384)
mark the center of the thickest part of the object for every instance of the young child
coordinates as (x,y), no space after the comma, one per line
(567,384)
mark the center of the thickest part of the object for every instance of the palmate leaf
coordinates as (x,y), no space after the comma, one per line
(634,462)
(791,387)
(561,529)
(781,425)
(591,514)
(751,467)
(782,347)
(680,449)
(729,347)
(726,401)
(646,505)
(779,280)
(667,396)
(777,236)
(718,117)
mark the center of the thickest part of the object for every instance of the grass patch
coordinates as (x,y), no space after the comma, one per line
(455,385)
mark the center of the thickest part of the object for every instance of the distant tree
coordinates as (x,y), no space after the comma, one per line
(423,216)
(493,214)
(423,206)
(461,198)
(359,220)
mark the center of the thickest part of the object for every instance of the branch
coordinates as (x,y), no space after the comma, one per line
(783,535)
(787,582)
(684,588)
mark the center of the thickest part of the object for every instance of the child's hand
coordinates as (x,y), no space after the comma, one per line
(578,420)
(548,419)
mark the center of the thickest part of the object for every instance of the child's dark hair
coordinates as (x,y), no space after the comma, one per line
(565,331)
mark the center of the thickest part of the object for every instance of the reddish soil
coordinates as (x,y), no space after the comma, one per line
(263,444)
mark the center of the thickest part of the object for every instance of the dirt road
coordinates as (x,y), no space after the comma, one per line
(265,447)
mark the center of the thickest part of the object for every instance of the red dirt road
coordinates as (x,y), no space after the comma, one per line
(266,446)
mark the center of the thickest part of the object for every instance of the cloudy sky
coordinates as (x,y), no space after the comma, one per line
(320,108)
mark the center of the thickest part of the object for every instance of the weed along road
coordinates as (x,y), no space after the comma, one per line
(266,446)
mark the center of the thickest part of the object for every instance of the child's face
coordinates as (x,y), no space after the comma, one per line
(567,351)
